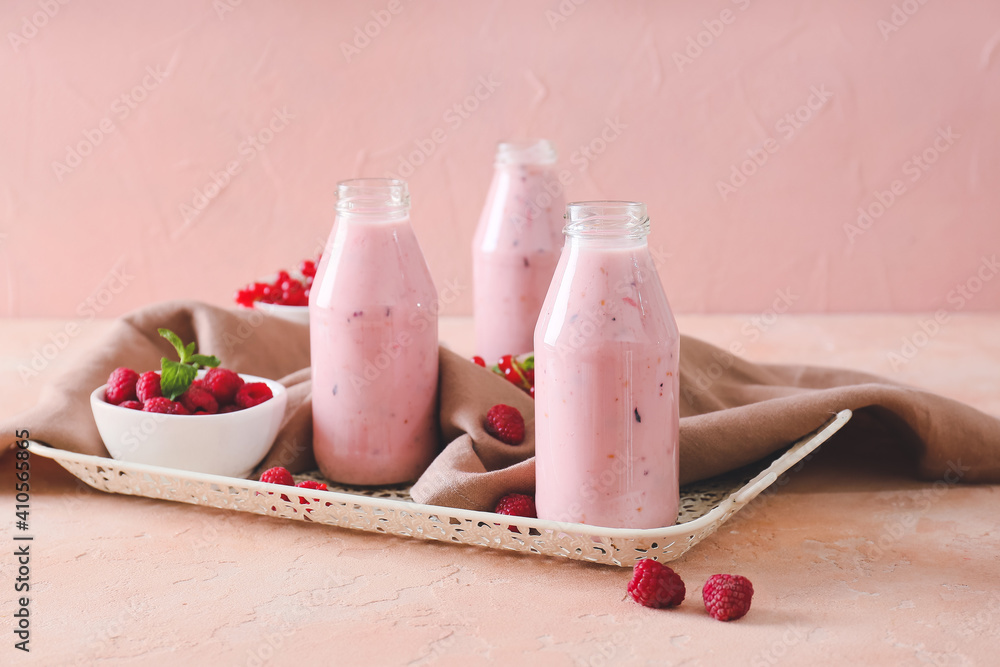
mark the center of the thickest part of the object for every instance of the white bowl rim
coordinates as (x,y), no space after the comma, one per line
(263,305)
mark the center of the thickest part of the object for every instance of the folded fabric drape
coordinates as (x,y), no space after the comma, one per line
(733,412)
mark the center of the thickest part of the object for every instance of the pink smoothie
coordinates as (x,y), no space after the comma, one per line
(514,254)
(374,345)
(606,391)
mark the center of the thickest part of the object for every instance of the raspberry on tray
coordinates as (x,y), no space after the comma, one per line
(505,423)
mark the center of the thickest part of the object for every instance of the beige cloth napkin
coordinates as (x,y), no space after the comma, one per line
(745,413)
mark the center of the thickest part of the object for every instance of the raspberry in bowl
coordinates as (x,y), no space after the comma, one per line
(225,443)
(208,420)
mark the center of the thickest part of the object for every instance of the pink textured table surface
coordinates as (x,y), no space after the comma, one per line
(851,560)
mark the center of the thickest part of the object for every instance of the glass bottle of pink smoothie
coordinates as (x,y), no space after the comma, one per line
(516,247)
(606,378)
(374,341)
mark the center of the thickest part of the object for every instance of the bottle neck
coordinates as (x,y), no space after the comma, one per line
(373,217)
(606,224)
(373,200)
(539,153)
(606,243)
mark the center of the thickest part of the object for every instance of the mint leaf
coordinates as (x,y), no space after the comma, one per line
(202,360)
(175,340)
(175,378)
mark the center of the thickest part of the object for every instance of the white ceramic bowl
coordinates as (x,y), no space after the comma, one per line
(230,444)
(298,314)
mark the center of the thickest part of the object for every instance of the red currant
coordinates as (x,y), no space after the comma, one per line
(506,363)
(284,290)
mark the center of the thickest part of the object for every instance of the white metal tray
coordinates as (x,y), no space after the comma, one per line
(704,506)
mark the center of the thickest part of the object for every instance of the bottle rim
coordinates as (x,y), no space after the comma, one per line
(526,151)
(606,219)
(372,195)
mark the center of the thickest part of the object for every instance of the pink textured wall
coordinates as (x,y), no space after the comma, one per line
(888,105)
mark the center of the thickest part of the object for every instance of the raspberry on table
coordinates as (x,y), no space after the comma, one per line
(121,385)
(727,596)
(164,405)
(505,423)
(253,393)
(655,585)
(277,475)
(131,405)
(517,504)
(148,386)
(223,383)
(199,401)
